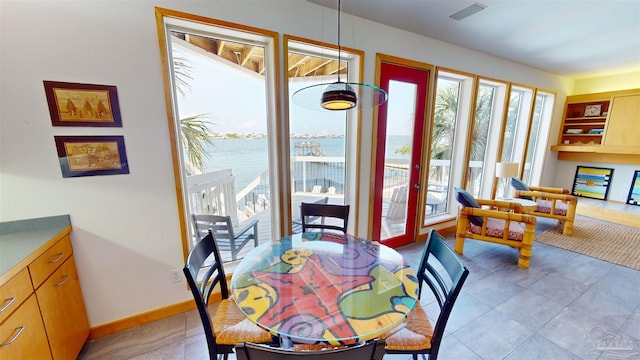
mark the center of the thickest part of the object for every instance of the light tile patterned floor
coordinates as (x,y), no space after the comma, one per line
(563,307)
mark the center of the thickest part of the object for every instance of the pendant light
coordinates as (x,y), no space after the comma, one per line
(339,95)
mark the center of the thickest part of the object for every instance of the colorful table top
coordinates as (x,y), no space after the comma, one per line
(325,288)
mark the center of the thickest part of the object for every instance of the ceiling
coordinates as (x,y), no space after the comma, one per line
(573,38)
(252,57)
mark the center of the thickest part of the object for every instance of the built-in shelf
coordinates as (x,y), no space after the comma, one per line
(601,127)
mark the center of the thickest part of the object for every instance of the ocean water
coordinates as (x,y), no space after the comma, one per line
(248,157)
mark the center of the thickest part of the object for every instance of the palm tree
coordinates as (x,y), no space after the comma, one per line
(195,138)
(194,132)
(444,125)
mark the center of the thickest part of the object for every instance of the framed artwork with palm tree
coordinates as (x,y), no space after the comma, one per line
(72,104)
(91,155)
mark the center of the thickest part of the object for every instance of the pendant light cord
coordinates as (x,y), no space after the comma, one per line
(339,47)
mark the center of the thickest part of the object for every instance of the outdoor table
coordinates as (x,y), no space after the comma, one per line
(325,288)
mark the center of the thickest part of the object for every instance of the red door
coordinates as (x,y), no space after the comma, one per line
(401,124)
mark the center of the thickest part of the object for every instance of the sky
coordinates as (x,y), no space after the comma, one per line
(214,90)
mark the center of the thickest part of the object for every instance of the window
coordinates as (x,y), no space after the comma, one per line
(538,135)
(322,144)
(489,109)
(448,132)
(223,122)
(515,130)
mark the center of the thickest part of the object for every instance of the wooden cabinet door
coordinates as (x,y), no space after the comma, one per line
(623,126)
(22,335)
(63,311)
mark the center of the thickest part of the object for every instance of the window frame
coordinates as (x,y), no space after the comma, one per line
(171,20)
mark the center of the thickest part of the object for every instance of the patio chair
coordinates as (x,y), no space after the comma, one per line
(370,350)
(228,239)
(500,222)
(553,203)
(297,223)
(228,326)
(445,278)
(397,212)
(334,213)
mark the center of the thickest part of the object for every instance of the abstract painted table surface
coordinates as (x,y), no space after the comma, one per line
(325,288)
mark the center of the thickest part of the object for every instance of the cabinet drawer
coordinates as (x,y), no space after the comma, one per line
(48,262)
(14,292)
(22,335)
(63,311)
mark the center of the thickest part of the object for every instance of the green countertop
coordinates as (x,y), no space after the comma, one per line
(20,238)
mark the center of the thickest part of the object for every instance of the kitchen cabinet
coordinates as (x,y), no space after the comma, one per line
(22,334)
(43,315)
(624,121)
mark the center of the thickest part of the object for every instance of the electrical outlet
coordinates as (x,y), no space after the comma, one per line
(176,276)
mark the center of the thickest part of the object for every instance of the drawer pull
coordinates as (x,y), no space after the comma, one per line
(7,303)
(19,331)
(64,280)
(57,258)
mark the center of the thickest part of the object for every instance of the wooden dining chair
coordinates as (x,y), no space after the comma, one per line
(228,326)
(297,223)
(334,213)
(370,350)
(441,269)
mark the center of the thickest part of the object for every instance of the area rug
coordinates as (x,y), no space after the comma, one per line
(613,243)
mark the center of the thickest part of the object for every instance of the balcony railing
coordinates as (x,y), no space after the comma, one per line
(215,193)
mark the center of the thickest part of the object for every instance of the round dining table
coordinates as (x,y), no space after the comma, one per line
(325,288)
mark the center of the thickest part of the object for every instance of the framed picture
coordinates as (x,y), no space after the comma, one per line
(91,155)
(73,104)
(592,110)
(634,190)
(592,182)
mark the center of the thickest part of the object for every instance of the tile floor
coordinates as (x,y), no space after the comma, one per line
(565,306)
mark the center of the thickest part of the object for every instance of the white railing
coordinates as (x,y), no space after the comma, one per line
(213,193)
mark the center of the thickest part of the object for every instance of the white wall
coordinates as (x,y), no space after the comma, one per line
(126,233)
(623,81)
(620,181)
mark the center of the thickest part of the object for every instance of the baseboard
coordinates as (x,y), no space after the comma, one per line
(141,319)
(610,215)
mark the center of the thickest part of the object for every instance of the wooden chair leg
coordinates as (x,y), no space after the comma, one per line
(460,236)
(459,244)
(525,256)
(527,245)
(571,215)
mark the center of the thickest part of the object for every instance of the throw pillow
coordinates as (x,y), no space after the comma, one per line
(468,200)
(519,185)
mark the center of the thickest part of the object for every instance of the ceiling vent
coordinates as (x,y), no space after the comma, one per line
(468,11)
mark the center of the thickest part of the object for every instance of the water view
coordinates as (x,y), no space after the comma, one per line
(247,156)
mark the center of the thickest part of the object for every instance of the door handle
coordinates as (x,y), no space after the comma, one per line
(416,186)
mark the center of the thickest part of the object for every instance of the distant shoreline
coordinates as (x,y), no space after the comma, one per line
(232,136)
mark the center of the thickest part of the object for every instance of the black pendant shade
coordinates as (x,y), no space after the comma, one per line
(339,95)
